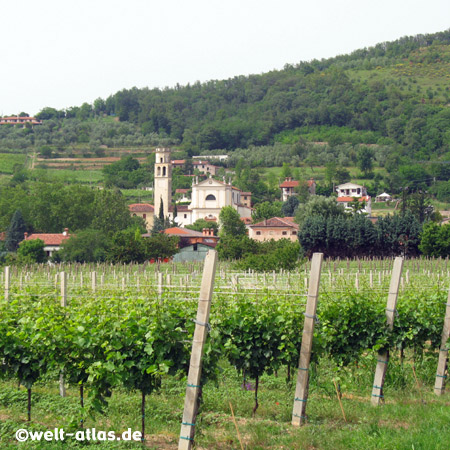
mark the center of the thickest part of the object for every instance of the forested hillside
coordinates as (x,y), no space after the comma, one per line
(393,93)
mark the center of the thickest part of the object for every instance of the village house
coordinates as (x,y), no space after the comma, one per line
(275,228)
(205,167)
(289,185)
(52,241)
(144,210)
(16,120)
(347,192)
(351,190)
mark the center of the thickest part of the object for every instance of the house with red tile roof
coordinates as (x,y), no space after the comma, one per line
(347,192)
(289,185)
(16,120)
(275,228)
(52,241)
(144,210)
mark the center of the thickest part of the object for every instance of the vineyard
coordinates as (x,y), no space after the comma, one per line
(116,342)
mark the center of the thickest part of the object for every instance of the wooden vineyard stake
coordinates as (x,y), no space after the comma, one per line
(383,355)
(301,389)
(63,278)
(195,366)
(439,384)
(7,282)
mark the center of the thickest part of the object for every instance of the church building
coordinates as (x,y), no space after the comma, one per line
(207,199)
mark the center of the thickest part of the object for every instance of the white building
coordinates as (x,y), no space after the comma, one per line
(347,193)
(209,197)
(351,190)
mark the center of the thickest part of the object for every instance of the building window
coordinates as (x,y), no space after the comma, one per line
(185,216)
(210,197)
(284,233)
(144,216)
(294,233)
(195,247)
(258,233)
(164,171)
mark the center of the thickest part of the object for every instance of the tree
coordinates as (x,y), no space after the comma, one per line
(111,212)
(319,206)
(365,159)
(435,240)
(199,224)
(31,251)
(161,246)
(15,232)
(235,247)
(126,247)
(290,206)
(230,223)
(86,246)
(266,210)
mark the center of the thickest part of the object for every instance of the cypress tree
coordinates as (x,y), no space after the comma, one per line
(15,232)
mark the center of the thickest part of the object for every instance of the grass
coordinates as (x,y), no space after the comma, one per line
(74,176)
(9,160)
(412,417)
(137,195)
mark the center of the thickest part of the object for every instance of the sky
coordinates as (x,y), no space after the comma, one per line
(62,53)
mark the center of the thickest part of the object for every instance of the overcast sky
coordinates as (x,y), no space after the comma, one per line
(59,53)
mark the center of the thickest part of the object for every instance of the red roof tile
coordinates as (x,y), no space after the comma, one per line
(141,207)
(49,238)
(289,184)
(275,222)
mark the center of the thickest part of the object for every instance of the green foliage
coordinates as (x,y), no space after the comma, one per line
(318,205)
(266,210)
(235,247)
(230,223)
(161,246)
(31,251)
(129,246)
(200,224)
(271,255)
(85,246)
(127,173)
(356,236)
(435,240)
(15,232)
(289,207)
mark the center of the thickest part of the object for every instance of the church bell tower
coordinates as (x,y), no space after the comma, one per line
(163,181)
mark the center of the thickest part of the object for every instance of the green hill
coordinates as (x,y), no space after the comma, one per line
(395,94)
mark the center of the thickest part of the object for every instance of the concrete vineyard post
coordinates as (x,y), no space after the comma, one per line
(7,282)
(63,280)
(301,389)
(383,355)
(187,431)
(439,384)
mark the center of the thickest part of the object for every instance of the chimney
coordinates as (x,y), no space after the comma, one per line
(205,231)
(26,235)
(65,232)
